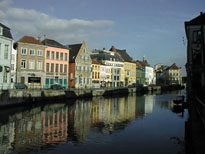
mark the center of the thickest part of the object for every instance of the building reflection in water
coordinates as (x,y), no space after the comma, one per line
(40,127)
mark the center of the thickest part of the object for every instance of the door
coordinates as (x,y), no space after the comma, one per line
(22,79)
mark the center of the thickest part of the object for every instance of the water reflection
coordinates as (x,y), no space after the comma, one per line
(42,127)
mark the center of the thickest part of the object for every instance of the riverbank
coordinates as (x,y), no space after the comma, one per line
(29,96)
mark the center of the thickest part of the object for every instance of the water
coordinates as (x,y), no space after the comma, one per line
(134,124)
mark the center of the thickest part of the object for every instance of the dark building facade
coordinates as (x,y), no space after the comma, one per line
(195,65)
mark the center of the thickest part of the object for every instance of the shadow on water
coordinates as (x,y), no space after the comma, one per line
(97,124)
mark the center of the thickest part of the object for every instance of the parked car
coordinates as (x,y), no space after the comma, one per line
(57,87)
(20,86)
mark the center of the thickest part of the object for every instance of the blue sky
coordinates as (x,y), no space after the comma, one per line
(150,28)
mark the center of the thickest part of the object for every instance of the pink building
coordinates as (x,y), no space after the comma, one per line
(56,65)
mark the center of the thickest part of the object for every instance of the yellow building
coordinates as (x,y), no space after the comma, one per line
(129,72)
(95,73)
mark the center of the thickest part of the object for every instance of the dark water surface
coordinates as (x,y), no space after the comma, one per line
(123,125)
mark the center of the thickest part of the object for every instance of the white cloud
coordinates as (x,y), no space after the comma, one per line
(5,3)
(31,22)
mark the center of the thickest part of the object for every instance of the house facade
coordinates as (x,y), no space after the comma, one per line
(168,75)
(140,73)
(30,62)
(13,65)
(173,75)
(6,45)
(129,75)
(56,63)
(80,66)
(148,70)
(195,34)
(96,68)
(114,67)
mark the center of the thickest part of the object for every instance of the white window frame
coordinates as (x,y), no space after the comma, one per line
(41,53)
(30,62)
(6,51)
(22,51)
(33,52)
(25,63)
(1,30)
(39,65)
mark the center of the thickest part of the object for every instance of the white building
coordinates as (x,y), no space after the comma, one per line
(13,65)
(5,56)
(149,75)
(114,67)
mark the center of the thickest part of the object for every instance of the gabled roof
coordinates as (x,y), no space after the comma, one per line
(139,65)
(74,49)
(142,63)
(6,31)
(122,53)
(30,39)
(197,21)
(105,56)
(173,67)
(53,43)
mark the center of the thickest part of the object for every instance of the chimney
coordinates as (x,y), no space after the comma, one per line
(143,59)
(104,48)
(201,13)
(112,48)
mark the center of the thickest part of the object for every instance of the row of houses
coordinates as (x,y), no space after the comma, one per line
(43,63)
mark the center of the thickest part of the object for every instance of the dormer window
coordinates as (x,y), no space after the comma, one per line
(1,30)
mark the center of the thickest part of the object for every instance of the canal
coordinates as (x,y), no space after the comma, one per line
(145,124)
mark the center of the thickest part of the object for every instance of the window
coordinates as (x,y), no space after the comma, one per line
(5,77)
(12,67)
(65,68)
(61,56)
(24,51)
(32,52)
(47,67)
(48,54)
(40,53)
(31,64)
(57,55)
(52,55)
(52,67)
(96,75)
(196,36)
(56,67)
(66,56)
(39,65)
(61,68)
(71,75)
(6,52)
(1,30)
(23,64)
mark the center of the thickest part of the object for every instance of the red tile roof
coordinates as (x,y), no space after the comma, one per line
(174,67)
(29,39)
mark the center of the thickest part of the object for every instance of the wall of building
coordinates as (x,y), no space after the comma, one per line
(25,74)
(5,62)
(56,76)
